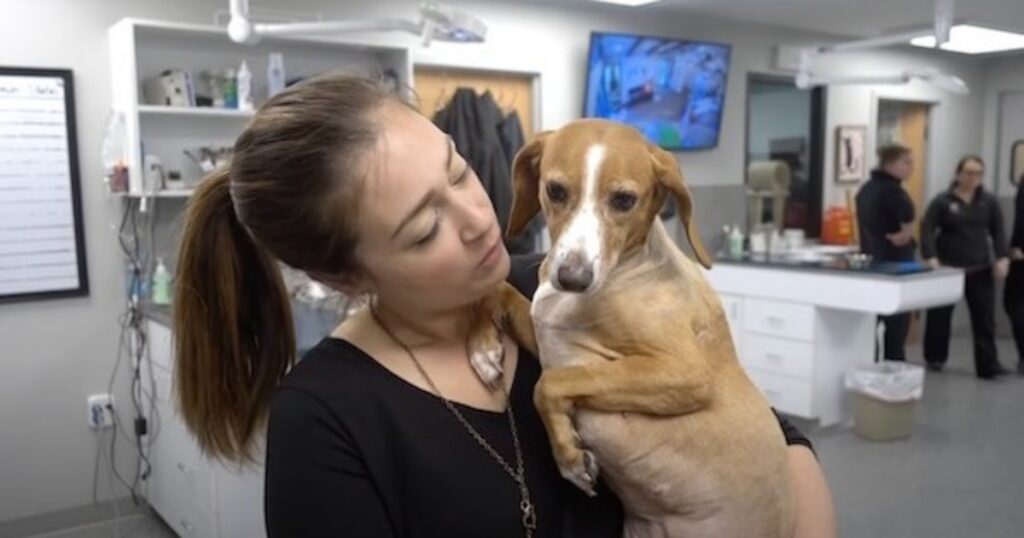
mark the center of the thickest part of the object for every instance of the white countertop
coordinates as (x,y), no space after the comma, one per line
(855,291)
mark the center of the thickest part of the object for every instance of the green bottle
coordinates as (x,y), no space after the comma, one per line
(161,284)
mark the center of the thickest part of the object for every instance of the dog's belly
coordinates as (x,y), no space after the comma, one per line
(659,467)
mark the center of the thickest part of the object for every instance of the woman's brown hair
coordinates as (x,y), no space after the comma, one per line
(289,195)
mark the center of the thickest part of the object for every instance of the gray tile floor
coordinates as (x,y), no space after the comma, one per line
(961,475)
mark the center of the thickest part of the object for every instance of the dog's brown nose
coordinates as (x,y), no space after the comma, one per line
(575,274)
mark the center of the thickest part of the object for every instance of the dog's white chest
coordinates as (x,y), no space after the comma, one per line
(555,320)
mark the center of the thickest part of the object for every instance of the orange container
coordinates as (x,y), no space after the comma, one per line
(837,228)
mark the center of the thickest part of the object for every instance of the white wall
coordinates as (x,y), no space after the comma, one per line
(1003,76)
(955,122)
(55,353)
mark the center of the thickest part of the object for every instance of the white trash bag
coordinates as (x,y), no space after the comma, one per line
(889,381)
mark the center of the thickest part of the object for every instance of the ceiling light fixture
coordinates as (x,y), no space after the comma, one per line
(807,77)
(630,3)
(437,22)
(971,39)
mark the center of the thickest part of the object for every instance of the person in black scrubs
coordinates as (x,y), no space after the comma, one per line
(962,228)
(382,430)
(885,219)
(1013,293)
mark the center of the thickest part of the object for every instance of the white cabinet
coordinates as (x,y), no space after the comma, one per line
(733,307)
(775,344)
(779,355)
(195,496)
(778,318)
(801,330)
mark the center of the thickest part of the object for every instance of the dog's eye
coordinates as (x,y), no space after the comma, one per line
(557,193)
(623,201)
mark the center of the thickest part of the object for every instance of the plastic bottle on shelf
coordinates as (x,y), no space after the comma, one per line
(736,242)
(244,87)
(161,284)
(230,89)
(275,73)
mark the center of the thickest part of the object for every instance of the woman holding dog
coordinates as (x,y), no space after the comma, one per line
(383,429)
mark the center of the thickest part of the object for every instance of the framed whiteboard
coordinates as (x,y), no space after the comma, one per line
(42,244)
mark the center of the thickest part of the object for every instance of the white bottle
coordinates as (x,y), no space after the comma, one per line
(736,242)
(161,284)
(244,78)
(275,73)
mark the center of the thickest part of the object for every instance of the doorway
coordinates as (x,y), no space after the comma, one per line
(786,123)
(906,123)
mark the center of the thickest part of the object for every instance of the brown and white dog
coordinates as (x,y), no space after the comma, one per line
(640,375)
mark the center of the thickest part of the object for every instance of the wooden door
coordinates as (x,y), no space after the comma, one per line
(914,134)
(512,91)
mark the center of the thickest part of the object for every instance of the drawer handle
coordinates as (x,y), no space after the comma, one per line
(186,525)
(776,321)
(773,395)
(184,468)
(774,357)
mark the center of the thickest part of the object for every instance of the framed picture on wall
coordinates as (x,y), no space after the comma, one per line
(42,243)
(851,158)
(1017,162)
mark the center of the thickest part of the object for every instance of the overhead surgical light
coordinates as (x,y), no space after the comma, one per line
(437,22)
(807,78)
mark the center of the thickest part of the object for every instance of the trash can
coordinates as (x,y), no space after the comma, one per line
(885,397)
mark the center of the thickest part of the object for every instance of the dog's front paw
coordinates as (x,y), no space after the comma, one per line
(486,356)
(581,471)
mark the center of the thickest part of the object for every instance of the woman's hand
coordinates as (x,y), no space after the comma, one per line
(933,263)
(1001,268)
(902,237)
(1016,254)
(815,515)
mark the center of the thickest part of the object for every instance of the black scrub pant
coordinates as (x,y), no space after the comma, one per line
(980,291)
(1013,303)
(896,328)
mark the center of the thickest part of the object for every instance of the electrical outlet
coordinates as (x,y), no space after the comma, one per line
(100,411)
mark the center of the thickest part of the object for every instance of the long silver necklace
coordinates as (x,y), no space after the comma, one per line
(529,513)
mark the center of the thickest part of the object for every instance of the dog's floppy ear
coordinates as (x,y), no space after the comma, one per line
(525,181)
(669,176)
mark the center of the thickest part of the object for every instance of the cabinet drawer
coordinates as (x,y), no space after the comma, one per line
(161,347)
(189,520)
(776,318)
(786,394)
(778,355)
(733,307)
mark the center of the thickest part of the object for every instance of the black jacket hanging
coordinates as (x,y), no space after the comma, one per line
(472,122)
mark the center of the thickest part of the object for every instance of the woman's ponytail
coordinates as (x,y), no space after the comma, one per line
(233,332)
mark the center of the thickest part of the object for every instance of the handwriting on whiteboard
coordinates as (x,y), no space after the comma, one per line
(37,230)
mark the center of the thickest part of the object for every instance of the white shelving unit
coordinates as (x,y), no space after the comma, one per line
(142,49)
(198,112)
(196,496)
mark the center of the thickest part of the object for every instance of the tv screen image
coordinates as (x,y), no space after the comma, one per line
(672,90)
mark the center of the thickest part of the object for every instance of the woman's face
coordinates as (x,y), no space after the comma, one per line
(970,175)
(427,233)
